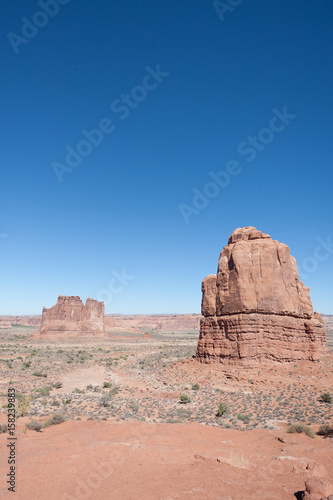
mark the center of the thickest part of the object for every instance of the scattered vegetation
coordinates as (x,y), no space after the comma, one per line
(222,410)
(34,425)
(326,397)
(195,387)
(39,374)
(106,385)
(299,428)
(57,418)
(184,399)
(326,431)
(3,428)
(105,400)
(58,385)
(43,391)
(23,403)
(244,418)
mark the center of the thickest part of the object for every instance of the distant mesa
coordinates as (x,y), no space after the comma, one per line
(256,308)
(70,317)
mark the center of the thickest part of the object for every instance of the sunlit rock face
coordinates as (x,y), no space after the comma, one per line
(70,317)
(256,308)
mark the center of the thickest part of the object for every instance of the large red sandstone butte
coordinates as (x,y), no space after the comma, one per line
(70,317)
(256,308)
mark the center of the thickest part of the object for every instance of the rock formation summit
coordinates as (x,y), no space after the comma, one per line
(70,317)
(256,308)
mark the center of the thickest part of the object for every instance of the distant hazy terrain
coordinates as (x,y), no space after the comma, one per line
(167,323)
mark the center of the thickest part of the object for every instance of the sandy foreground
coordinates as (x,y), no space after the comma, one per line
(143,443)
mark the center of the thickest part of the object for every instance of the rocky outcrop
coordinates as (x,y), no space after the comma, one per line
(318,488)
(70,317)
(256,307)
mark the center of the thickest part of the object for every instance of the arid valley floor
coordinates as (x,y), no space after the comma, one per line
(127,435)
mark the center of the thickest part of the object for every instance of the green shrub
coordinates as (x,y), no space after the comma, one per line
(26,364)
(184,399)
(325,430)
(107,385)
(57,418)
(298,428)
(326,397)
(222,410)
(195,387)
(34,425)
(67,401)
(57,385)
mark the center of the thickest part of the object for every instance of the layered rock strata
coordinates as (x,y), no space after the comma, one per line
(256,308)
(70,317)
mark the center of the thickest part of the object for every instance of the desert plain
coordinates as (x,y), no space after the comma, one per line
(139,417)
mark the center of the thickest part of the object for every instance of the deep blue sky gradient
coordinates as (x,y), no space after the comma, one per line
(120,207)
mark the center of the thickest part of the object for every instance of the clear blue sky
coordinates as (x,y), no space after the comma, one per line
(180,89)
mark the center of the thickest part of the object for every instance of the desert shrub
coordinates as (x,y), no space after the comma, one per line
(195,387)
(57,385)
(78,391)
(105,400)
(57,418)
(43,391)
(326,397)
(114,391)
(184,399)
(222,410)
(134,406)
(39,374)
(34,425)
(22,405)
(244,418)
(89,387)
(67,401)
(3,428)
(107,385)
(299,428)
(55,402)
(325,430)
(26,364)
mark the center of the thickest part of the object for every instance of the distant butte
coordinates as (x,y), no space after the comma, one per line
(70,317)
(256,308)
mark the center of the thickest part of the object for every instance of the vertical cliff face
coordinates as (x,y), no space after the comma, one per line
(71,317)
(256,307)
